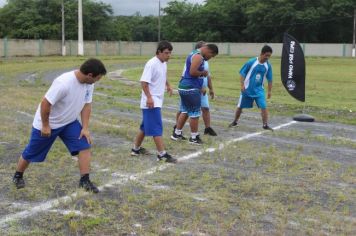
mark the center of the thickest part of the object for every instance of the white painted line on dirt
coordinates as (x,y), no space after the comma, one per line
(25,113)
(55,202)
(106,124)
(70,212)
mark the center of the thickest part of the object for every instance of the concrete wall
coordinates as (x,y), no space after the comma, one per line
(26,47)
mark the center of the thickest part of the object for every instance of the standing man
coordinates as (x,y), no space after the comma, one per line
(252,76)
(207,83)
(190,90)
(69,96)
(153,82)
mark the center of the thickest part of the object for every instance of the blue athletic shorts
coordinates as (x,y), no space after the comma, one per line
(38,147)
(190,102)
(205,98)
(247,102)
(204,101)
(152,122)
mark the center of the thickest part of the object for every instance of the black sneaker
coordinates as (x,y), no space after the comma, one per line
(267,127)
(140,151)
(196,140)
(168,158)
(88,186)
(210,131)
(19,182)
(233,124)
(175,136)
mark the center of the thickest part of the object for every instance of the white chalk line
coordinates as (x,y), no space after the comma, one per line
(45,206)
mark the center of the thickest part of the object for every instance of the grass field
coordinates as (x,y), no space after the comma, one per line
(298,180)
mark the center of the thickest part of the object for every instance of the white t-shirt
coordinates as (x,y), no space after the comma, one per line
(155,74)
(67,97)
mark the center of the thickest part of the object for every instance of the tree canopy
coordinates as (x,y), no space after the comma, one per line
(317,21)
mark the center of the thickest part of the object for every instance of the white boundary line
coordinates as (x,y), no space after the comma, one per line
(55,202)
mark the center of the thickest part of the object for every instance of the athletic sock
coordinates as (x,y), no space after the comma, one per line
(136,148)
(18,174)
(194,135)
(178,131)
(162,153)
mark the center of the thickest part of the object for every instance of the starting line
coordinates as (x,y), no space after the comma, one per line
(45,206)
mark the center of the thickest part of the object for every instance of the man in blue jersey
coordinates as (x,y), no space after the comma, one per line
(190,90)
(207,83)
(252,76)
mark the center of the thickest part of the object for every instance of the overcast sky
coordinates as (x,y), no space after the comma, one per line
(130,7)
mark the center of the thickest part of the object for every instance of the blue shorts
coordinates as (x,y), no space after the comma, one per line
(247,102)
(205,98)
(38,147)
(190,102)
(152,122)
(204,101)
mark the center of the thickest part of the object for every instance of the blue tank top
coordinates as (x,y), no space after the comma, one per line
(188,81)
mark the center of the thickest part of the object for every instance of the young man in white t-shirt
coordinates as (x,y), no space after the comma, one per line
(69,96)
(154,82)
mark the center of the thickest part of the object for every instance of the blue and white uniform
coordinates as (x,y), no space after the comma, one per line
(255,73)
(205,98)
(189,88)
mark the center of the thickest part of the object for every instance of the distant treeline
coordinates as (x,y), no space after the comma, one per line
(310,21)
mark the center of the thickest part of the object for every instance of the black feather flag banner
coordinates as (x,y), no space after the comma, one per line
(293,67)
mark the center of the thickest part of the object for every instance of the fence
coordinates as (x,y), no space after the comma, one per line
(28,47)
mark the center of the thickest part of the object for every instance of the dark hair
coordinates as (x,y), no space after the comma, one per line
(199,44)
(265,49)
(93,66)
(213,48)
(163,45)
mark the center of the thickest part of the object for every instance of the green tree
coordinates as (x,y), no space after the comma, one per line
(35,19)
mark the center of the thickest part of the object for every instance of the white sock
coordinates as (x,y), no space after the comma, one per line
(136,148)
(162,153)
(194,135)
(178,131)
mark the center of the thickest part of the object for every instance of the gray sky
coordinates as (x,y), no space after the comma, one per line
(129,7)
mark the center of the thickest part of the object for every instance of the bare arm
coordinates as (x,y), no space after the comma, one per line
(269,90)
(169,88)
(45,110)
(210,86)
(85,115)
(194,67)
(242,82)
(146,90)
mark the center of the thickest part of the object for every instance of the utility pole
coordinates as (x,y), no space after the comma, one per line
(80,29)
(159,20)
(63,32)
(354,35)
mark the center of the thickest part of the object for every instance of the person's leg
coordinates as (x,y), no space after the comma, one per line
(206,116)
(159,143)
(194,124)
(139,139)
(262,104)
(35,151)
(243,102)
(81,148)
(22,165)
(177,116)
(264,114)
(182,119)
(237,114)
(20,169)
(84,159)
(137,149)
